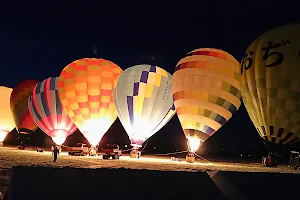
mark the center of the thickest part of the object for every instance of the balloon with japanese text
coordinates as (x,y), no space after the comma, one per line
(270,84)
(206,92)
(46,110)
(19,106)
(85,88)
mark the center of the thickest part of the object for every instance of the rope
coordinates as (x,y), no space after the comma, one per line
(145,145)
(169,153)
(201,157)
(126,150)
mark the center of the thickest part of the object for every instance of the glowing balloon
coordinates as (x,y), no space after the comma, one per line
(206,92)
(19,106)
(46,110)
(7,123)
(270,84)
(85,89)
(143,99)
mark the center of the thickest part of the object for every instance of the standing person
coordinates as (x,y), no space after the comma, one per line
(55,153)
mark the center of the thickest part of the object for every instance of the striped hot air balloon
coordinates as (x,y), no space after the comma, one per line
(19,106)
(46,110)
(206,92)
(85,88)
(144,102)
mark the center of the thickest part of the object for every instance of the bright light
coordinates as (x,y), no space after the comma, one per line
(140,131)
(59,136)
(194,143)
(94,129)
(3,134)
(136,142)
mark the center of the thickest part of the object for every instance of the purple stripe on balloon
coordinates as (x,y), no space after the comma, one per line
(135,89)
(130,108)
(144,76)
(173,107)
(208,130)
(152,68)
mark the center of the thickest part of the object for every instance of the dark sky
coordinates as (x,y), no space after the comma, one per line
(39,40)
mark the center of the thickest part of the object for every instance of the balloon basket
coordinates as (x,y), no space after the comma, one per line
(135,154)
(1,144)
(93,151)
(21,147)
(190,158)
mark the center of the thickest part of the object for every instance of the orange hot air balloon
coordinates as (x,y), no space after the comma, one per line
(7,123)
(19,106)
(85,88)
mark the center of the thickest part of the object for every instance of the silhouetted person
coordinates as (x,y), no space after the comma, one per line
(55,153)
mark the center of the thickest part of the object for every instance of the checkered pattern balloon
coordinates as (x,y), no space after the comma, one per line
(144,101)
(19,106)
(206,91)
(46,110)
(270,84)
(85,89)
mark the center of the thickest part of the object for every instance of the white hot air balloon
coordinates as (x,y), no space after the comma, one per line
(144,102)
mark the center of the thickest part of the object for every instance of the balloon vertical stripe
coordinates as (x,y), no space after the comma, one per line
(45,107)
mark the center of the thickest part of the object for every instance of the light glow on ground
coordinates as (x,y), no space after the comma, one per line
(12,156)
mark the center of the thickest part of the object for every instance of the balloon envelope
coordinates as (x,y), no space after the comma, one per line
(143,99)
(270,84)
(206,92)
(7,123)
(46,110)
(19,106)
(85,89)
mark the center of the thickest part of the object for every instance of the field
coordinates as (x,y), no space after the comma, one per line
(10,157)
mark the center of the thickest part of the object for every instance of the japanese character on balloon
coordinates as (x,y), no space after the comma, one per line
(280,57)
(247,61)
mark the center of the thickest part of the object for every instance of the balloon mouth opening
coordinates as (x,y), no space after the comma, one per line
(136,142)
(3,134)
(24,131)
(58,136)
(194,143)
(136,146)
(93,138)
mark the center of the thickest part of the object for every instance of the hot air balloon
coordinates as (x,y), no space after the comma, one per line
(45,108)
(270,85)
(206,93)
(144,102)
(7,123)
(19,107)
(85,89)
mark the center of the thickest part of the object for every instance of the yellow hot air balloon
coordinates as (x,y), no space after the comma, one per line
(7,123)
(85,88)
(270,84)
(206,92)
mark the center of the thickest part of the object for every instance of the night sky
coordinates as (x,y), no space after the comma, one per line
(38,41)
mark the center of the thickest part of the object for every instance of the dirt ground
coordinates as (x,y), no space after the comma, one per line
(11,156)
